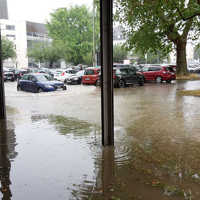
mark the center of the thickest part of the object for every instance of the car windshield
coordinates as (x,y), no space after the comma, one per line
(122,71)
(41,78)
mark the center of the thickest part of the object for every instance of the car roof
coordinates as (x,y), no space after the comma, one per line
(93,68)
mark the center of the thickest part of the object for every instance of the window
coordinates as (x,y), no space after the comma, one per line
(154,69)
(25,77)
(10,27)
(122,71)
(13,36)
(132,71)
(89,72)
(32,78)
(145,69)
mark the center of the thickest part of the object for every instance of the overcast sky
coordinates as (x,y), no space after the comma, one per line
(38,10)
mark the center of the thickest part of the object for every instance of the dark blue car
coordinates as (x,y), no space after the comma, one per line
(39,83)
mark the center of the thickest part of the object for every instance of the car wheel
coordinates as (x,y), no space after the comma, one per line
(19,88)
(64,87)
(121,84)
(158,79)
(141,82)
(39,90)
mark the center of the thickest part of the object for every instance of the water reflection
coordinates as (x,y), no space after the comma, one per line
(7,154)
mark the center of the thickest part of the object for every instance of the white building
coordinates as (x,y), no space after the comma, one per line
(23,34)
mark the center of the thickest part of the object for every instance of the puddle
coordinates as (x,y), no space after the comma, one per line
(51,146)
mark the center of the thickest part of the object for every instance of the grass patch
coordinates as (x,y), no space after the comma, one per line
(189,77)
(195,93)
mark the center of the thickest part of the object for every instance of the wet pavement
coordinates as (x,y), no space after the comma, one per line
(51,145)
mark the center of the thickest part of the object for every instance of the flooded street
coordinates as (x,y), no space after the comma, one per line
(51,145)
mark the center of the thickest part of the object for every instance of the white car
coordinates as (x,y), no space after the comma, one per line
(62,75)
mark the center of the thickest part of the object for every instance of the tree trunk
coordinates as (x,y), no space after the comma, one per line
(181,61)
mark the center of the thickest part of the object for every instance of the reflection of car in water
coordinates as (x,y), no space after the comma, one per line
(39,83)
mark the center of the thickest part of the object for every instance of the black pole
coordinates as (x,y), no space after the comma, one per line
(106,10)
(2,93)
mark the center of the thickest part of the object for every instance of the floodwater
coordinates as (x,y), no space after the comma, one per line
(51,145)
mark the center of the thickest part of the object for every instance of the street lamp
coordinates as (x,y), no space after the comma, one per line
(2,93)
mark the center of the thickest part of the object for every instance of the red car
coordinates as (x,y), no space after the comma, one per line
(159,73)
(91,75)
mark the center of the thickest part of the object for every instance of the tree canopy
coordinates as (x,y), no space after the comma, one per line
(119,53)
(8,49)
(160,25)
(45,52)
(72,29)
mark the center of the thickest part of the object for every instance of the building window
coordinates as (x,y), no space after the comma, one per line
(10,36)
(10,27)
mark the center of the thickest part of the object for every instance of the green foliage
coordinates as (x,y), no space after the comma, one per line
(8,49)
(150,57)
(45,52)
(72,30)
(119,53)
(160,25)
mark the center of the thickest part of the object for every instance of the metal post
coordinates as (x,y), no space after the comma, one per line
(94,42)
(2,93)
(106,9)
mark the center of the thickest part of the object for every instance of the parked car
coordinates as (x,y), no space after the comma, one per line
(91,75)
(75,79)
(20,72)
(62,75)
(8,76)
(124,76)
(159,73)
(36,82)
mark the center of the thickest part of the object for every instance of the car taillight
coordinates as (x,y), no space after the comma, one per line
(63,74)
(114,76)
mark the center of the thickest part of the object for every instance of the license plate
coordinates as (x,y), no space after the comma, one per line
(87,79)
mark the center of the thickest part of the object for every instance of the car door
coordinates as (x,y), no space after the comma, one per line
(23,82)
(32,84)
(132,76)
(146,73)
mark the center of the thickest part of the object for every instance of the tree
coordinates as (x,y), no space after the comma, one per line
(72,30)
(150,57)
(8,49)
(119,53)
(45,52)
(160,25)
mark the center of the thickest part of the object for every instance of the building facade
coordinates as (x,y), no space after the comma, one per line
(3,9)
(23,34)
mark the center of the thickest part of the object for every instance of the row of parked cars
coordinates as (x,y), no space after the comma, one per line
(124,75)
(44,79)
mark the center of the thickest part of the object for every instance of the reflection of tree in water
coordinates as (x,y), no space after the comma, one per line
(7,153)
(67,125)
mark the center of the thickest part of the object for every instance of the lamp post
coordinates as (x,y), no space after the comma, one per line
(2,93)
